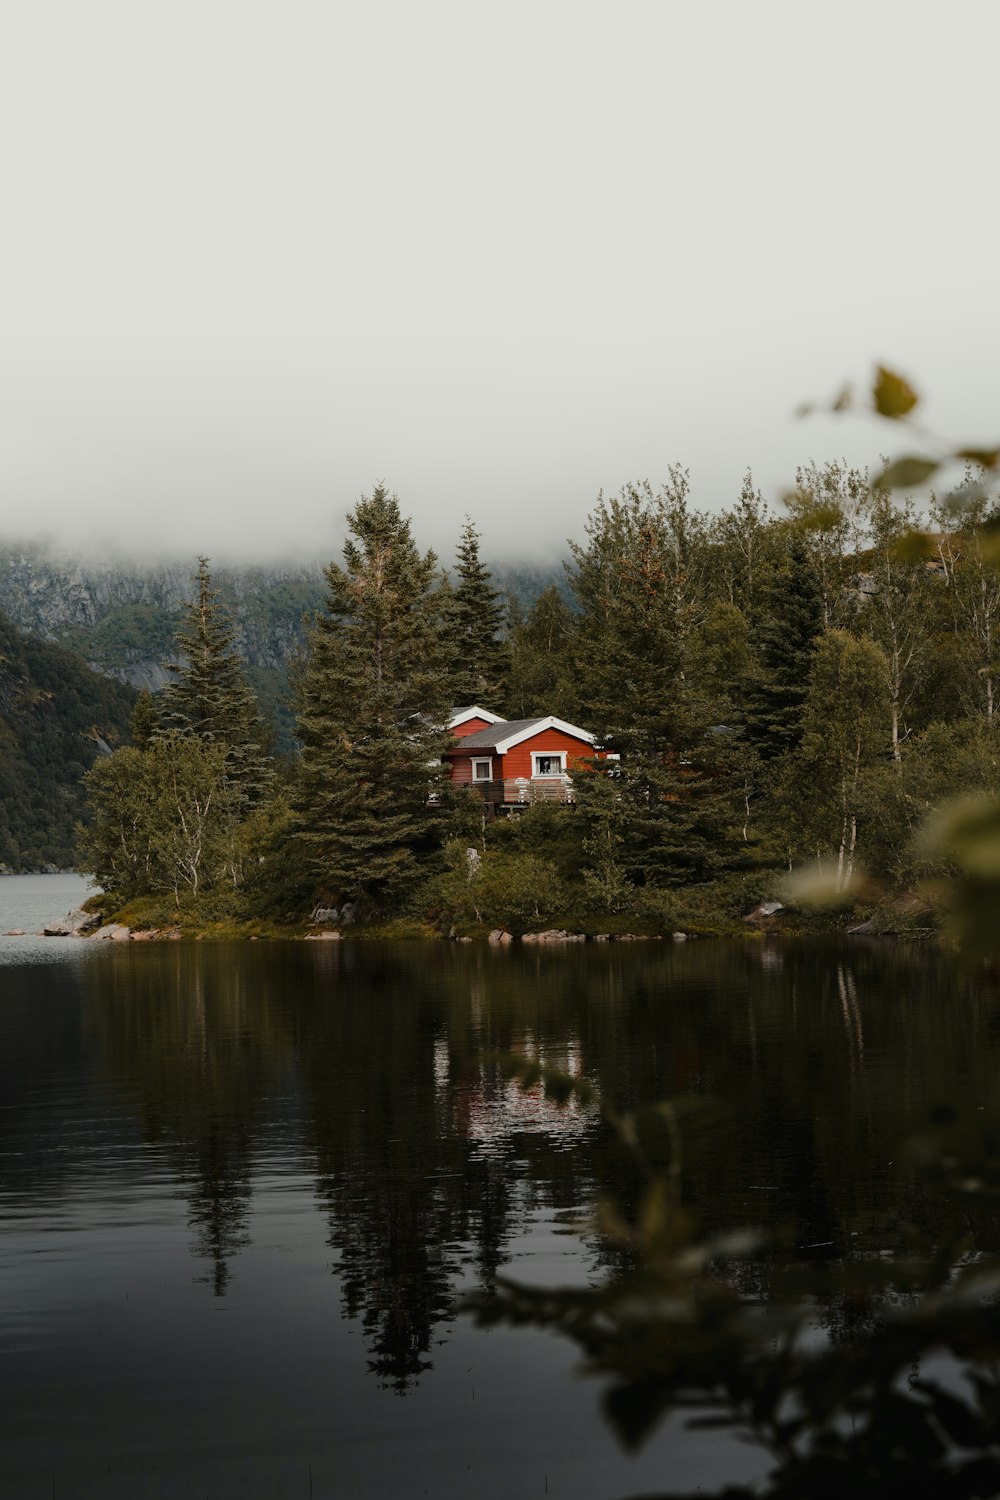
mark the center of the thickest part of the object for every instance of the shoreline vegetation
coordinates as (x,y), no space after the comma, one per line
(786,706)
(789,710)
(149,921)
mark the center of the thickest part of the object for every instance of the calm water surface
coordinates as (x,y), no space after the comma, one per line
(243,1189)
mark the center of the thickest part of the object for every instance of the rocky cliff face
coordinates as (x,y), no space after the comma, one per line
(122,619)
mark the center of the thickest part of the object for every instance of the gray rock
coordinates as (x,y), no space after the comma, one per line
(554,935)
(112,932)
(763,911)
(75,924)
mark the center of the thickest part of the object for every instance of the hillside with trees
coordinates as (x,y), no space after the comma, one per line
(780,690)
(122,618)
(56,718)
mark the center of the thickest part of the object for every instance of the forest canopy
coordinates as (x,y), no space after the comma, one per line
(778,688)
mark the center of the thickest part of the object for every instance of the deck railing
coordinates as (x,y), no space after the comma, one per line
(519,791)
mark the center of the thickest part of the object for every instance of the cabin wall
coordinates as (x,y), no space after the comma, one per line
(461,766)
(517,761)
(471,726)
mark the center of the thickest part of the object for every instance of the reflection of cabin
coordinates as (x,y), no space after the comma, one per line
(512,762)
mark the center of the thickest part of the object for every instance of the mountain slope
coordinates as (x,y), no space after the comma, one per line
(56,715)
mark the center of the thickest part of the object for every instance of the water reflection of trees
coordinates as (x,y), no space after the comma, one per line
(189,1037)
(428,1162)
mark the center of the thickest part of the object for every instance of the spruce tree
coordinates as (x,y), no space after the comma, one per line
(791,621)
(372,702)
(210,697)
(542,679)
(674,807)
(479,657)
(145,720)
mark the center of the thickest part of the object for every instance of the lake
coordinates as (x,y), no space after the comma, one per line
(245,1187)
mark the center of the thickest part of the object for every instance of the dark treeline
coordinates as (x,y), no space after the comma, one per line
(56,716)
(780,689)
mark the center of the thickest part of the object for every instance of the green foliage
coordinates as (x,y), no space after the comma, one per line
(372,697)
(210,698)
(501,888)
(843,736)
(126,634)
(164,819)
(145,720)
(187,809)
(541,657)
(55,714)
(478,655)
(636,602)
(790,624)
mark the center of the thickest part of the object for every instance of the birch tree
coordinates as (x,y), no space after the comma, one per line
(895,609)
(966,546)
(825,509)
(843,738)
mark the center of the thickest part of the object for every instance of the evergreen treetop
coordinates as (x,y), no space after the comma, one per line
(475,620)
(791,622)
(373,699)
(210,697)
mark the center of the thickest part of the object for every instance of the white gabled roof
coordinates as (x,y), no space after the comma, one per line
(538,726)
(463,715)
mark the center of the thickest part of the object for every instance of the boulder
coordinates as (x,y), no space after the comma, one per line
(15,932)
(75,924)
(147,935)
(319,937)
(554,935)
(765,910)
(499,936)
(112,932)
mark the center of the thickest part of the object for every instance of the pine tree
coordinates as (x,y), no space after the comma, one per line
(791,621)
(541,654)
(372,700)
(474,624)
(144,721)
(210,697)
(637,584)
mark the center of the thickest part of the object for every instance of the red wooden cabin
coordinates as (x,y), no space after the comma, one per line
(513,762)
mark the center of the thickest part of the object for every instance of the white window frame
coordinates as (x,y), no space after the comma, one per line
(482,760)
(537,755)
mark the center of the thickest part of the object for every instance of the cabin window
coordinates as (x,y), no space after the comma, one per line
(548,764)
(482,770)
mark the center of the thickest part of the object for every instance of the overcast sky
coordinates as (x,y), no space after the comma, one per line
(258,255)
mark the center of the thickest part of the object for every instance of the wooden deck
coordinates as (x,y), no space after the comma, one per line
(521,791)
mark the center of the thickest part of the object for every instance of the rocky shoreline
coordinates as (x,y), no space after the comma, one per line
(90,926)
